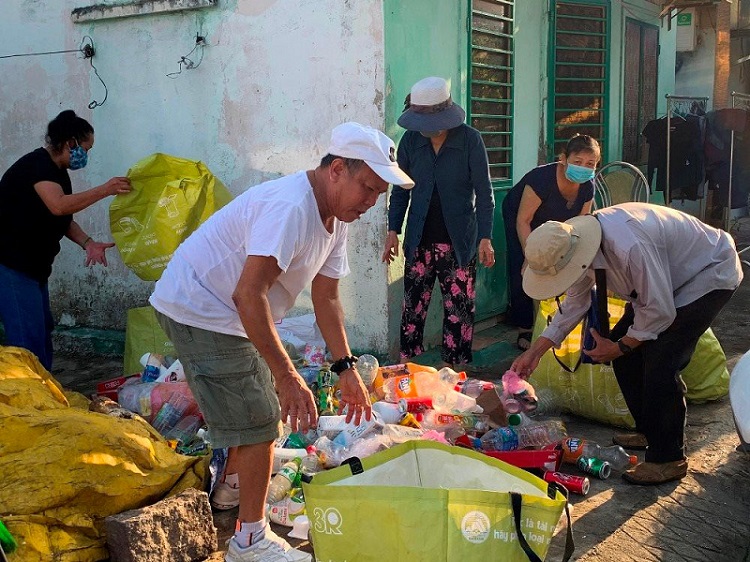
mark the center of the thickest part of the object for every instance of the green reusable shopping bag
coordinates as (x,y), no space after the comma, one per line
(586,389)
(143,334)
(592,391)
(423,501)
(170,198)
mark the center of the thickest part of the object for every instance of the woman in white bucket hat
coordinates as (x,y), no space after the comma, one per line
(675,272)
(449,225)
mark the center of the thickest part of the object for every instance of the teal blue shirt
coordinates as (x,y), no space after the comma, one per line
(460,173)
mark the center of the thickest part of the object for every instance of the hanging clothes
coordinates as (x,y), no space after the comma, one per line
(719,127)
(686,170)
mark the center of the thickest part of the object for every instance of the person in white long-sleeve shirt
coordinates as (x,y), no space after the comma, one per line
(676,274)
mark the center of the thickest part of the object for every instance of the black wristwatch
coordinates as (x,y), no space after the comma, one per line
(341,365)
(624,348)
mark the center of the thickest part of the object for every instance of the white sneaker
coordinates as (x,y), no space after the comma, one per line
(271,549)
(225,496)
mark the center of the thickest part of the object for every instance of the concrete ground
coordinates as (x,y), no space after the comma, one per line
(704,517)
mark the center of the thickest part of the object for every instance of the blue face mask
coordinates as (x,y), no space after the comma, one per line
(78,158)
(579,174)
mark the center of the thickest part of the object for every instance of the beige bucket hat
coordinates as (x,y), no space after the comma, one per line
(558,254)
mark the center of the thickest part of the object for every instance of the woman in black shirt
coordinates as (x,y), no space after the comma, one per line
(37,204)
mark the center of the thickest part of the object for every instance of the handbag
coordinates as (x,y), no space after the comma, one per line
(424,501)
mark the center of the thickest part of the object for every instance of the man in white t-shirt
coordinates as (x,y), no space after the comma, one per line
(240,272)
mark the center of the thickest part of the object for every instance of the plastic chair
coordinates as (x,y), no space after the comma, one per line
(619,182)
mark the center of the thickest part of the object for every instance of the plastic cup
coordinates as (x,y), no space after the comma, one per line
(300,528)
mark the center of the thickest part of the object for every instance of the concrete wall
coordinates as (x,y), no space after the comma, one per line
(695,76)
(275,78)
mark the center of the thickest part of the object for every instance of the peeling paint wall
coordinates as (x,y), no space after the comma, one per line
(276,77)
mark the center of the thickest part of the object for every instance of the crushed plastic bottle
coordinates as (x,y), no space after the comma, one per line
(618,459)
(521,437)
(475,387)
(450,377)
(548,404)
(449,401)
(153,367)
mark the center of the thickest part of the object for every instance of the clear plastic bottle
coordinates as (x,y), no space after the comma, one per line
(523,436)
(548,404)
(449,401)
(170,413)
(575,448)
(475,387)
(449,376)
(310,463)
(367,367)
(184,431)
(282,482)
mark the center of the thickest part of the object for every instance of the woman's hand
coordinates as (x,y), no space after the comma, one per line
(486,252)
(391,247)
(116,186)
(95,252)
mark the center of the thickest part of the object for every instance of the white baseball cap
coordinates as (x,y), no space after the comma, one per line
(359,142)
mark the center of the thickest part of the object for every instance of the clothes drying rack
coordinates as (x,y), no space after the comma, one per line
(739,101)
(686,105)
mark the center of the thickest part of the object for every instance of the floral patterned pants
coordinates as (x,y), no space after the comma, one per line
(457,288)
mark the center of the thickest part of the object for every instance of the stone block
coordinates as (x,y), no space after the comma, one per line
(176,529)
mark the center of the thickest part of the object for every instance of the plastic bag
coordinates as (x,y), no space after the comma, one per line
(423,501)
(147,398)
(143,334)
(591,390)
(170,198)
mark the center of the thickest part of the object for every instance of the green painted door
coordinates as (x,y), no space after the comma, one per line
(434,38)
(491,53)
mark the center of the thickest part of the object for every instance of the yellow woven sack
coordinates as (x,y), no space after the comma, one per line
(65,469)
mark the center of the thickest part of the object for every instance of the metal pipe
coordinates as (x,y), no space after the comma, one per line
(728,210)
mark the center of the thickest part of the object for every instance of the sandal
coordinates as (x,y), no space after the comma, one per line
(524,340)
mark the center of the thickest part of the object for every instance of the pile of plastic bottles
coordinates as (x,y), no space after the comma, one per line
(412,401)
(162,396)
(409,401)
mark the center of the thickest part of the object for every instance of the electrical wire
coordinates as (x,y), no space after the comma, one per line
(93,103)
(40,53)
(87,48)
(185,62)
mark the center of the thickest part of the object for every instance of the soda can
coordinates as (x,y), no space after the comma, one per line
(575,484)
(415,405)
(598,468)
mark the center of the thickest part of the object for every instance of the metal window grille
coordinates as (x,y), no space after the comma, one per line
(491,111)
(578,73)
